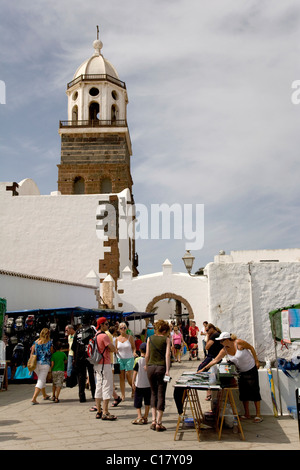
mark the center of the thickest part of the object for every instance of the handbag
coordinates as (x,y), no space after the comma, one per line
(22,373)
(72,380)
(32,361)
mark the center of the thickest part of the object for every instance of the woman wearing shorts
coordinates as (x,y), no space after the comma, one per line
(126,353)
(177,344)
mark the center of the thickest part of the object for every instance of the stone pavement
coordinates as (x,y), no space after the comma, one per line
(69,425)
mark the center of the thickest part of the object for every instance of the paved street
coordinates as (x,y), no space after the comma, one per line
(69,425)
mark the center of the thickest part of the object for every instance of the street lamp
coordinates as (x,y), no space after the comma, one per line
(188,260)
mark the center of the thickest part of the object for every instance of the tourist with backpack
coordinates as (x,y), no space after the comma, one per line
(104,375)
(80,363)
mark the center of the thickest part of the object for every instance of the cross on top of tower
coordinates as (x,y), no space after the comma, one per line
(97,44)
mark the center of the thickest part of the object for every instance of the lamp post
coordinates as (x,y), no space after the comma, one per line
(188,260)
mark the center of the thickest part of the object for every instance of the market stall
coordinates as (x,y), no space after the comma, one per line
(285,327)
(186,398)
(138,316)
(22,327)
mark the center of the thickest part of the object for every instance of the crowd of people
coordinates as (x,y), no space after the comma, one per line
(143,361)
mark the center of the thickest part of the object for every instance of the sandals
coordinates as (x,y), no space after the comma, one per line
(56,400)
(108,417)
(47,397)
(257,419)
(99,415)
(93,408)
(160,427)
(138,421)
(116,402)
(208,398)
(153,426)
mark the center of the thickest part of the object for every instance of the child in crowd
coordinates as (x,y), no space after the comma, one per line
(58,363)
(193,351)
(141,388)
(138,342)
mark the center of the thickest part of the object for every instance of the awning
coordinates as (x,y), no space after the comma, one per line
(75,311)
(138,315)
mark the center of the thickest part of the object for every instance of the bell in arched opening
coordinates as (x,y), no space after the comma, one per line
(94,111)
(106,186)
(79,186)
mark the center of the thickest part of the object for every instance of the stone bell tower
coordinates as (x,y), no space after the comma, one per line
(95,140)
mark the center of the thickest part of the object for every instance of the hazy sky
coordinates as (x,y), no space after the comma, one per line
(210,112)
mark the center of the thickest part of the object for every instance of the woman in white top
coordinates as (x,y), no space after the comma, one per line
(126,353)
(243,355)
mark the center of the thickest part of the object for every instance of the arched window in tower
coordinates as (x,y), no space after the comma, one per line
(79,186)
(94,111)
(75,113)
(106,186)
(114,114)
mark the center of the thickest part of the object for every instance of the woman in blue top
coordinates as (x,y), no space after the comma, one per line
(43,349)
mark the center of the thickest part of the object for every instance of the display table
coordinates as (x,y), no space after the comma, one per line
(190,400)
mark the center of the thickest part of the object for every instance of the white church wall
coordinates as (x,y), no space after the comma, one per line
(256,256)
(135,293)
(53,236)
(24,293)
(241,295)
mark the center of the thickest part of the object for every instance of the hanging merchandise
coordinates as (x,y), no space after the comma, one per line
(19,324)
(13,340)
(18,354)
(29,322)
(9,327)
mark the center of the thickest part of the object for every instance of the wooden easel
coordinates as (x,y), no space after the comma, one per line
(190,397)
(221,410)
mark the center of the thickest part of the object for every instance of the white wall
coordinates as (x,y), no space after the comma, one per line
(241,295)
(54,236)
(256,256)
(26,294)
(140,291)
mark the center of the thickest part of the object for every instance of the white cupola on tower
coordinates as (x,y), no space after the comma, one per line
(96,94)
(95,139)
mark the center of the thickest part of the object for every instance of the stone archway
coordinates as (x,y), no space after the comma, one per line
(169,295)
